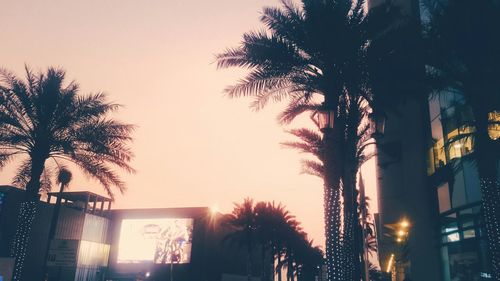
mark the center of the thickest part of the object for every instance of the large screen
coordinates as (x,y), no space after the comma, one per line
(160,240)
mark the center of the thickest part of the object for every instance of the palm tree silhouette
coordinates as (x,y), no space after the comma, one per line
(307,52)
(308,259)
(273,223)
(463,57)
(354,146)
(42,119)
(278,234)
(243,230)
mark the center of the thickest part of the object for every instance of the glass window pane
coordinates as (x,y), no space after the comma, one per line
(453,237)
(439,154)
(471,178)
(458,195)
(444,198)
(434,107)
(471,233)
(437,130)
(431,163)
(494,129)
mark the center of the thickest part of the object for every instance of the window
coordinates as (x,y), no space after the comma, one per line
(494,129)
(444,197)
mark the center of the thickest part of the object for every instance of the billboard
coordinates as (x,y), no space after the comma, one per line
(158,240)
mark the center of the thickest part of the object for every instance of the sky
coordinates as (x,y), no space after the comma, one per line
(193,145)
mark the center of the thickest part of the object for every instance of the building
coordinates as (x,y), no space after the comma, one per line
(93,242)
(430,223)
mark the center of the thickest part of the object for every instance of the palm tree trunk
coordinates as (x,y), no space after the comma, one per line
(249,262)
(26,216)
(350,261)
(289,271)
(333,241)
(264,264)
(333,141)
(19,248)
(279,266)
(348,249)
(487,163)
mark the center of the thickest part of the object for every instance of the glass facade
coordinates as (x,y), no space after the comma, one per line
(463,249)
(451,130)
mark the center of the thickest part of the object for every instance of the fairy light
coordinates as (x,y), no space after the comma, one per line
(332,230)
(21,239)
(348,248)
(490,190)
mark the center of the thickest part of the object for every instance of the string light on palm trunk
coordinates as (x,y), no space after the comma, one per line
(491,195)
(21,239)
(334,248)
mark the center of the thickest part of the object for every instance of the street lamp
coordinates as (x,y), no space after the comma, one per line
(377,123)
(325,117)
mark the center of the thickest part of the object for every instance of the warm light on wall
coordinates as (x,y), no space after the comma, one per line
(389,264)
(405,224)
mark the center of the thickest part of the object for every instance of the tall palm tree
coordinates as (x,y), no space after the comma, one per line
(463,57)
(356,136)
(243,230)
(43,119)
(317,49)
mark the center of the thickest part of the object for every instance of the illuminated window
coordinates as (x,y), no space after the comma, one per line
(494,129)
(471,233)
(453,237)
(451,129)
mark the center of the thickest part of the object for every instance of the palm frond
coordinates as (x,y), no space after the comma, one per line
(295,108)
(23,174)
(314,168)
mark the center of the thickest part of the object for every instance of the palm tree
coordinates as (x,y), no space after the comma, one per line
(302,259)
(309,260)
(463,57)
(356,136)
(265,225)
(273,223)
(64,177)
(243,230)
(42,119)
(318,49)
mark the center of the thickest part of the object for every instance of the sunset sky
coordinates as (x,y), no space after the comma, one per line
(193,145)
